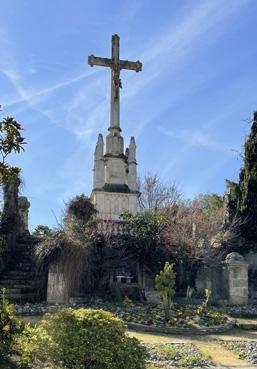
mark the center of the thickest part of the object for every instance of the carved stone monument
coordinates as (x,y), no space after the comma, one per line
(237,279)
(115,188)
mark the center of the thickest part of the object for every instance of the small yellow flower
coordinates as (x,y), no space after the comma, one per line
(6,328)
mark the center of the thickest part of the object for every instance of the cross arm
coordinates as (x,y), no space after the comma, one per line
(136,66)
(102,62)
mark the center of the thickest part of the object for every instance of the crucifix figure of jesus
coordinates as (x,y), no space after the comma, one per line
(116,65)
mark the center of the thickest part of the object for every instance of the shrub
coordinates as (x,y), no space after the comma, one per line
(10,326)
(78,339)
(81,208)
(165,283)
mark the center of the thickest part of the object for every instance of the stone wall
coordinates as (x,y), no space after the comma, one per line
(237,279)
(251,259)
(215,279)
(228,281)
(57,290)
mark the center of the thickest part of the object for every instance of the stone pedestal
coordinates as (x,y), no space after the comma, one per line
(57,291)
(110,205)
(237,272)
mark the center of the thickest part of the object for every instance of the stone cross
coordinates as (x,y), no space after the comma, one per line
(116,65)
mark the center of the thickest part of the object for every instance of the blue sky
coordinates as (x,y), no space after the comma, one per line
(189,108)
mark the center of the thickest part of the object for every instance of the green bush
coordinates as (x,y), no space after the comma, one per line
(165,286)
(10,326)
(78,339)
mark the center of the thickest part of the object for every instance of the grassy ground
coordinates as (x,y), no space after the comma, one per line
(209,345)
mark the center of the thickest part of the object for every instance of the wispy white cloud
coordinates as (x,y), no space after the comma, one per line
(87,112)
(197,19)
(199,139)
(169,50)
(33,97)
(166,50)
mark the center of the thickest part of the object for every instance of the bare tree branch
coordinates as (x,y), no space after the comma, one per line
(155,195)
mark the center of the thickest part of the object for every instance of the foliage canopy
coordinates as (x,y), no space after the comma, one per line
(10,326)
(145,238)
(242,197)
(80,339)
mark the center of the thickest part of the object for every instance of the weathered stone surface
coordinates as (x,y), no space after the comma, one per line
(237,279)
(111,204)
(57,291)
(24,206)
(20,279)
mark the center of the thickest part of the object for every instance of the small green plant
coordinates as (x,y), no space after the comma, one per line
(10,326)
(207,297)
(165,283)
(190,360)
(78,339)
(168,352)
(152,366)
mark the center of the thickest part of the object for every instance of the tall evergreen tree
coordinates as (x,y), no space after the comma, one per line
(247,200)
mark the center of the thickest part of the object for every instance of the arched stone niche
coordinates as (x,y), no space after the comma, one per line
(237,269)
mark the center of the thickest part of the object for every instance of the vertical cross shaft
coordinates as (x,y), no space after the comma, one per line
(116,49)
(116,65)
(115,84)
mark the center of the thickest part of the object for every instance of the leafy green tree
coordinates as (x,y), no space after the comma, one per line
(145,239)
(11,141)
(164,284)
(41,232)
(211,204)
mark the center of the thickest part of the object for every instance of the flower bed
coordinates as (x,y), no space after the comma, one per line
(241,311)
(244,349)
(138,316)
(176,355)
(186,317)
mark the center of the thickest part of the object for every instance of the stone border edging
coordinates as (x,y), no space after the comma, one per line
(187,331)
(246,326)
